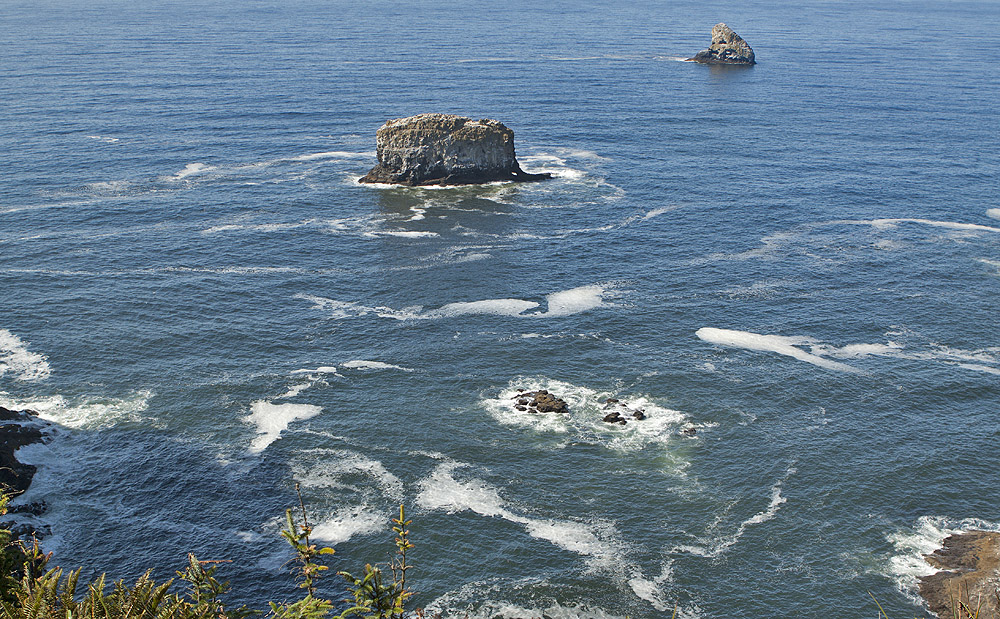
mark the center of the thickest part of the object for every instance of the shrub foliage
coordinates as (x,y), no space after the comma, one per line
(30,589)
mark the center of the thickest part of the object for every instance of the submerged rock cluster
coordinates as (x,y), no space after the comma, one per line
(727,48)
(540,401)
(620,412)
(444,149)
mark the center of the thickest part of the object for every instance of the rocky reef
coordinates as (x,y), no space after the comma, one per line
(969,565)
(540,401)
(444,149)
(727,48)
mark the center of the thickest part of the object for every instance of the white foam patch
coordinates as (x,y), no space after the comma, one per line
(406,234)
(294,390)
(333,154)
(993,213)
(884,224)
(779,344)
(858,351)
(269,227)
(348,522)
(994,264)
(979,368)
(272,419)
(717,545)
(441,491)
(83,412)
(563,303)
(496,307)
(575,301)
(336,465)
(907,565)
(323,369)
(18,361)
(103,138)
(358,364)
(475,604)
(586,412)
(192,169)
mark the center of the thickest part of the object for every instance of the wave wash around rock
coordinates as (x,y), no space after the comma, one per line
(444,149)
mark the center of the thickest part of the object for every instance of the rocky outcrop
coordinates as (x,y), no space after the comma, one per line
(443,149)
(540,401)
(970,575)
(620,413)
(727,48)
(17,429)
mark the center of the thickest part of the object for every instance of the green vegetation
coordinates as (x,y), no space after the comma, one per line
(29,589)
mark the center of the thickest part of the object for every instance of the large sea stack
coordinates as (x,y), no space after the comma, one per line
(444,149)
(969,565)
(727,48)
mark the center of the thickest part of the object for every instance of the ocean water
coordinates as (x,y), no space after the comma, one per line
(799,260)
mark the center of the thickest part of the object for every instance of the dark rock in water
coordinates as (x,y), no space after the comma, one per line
(444,149)
(17,429)
(542,402)
(690,431)
(970,566)
(613,417)
(727,48)
(639,415)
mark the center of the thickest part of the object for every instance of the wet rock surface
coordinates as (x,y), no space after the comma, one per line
(969,565)
(727,48)
(444,149)
(620,413)
(540,401)
(17,429)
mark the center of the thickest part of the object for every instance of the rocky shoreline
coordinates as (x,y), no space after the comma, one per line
(969,573)
(18,429)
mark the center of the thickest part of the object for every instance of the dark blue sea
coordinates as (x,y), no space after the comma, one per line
(793,269)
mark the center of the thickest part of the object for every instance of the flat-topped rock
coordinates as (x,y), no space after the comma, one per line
(969,565)
(727,48)
(444,149)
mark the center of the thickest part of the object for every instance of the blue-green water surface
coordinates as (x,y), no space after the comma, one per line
(798,261)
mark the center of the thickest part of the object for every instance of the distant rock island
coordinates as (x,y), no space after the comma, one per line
(444,149)
(727,48)
(970,569)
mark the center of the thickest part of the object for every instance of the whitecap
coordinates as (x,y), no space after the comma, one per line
(883,224)
(358,364)
(332,466)
(333,154)
(441,491)
(563,303)
(83,412)
(272,419)
(712,548)
(18,361)
(406,234)
(348,522)
(323,369)
(993,213)
(192,169)
(782,345)
(575,300)
(497,307)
